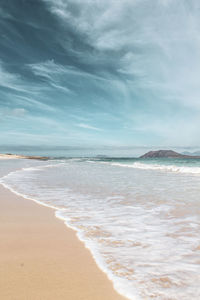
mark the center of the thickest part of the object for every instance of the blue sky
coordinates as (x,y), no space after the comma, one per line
(95,73)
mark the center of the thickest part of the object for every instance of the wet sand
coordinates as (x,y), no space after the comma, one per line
(42,259)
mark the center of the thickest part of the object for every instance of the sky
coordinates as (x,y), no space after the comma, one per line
(100,73)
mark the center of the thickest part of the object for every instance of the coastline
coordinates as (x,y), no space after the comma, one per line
(17,156)
(41,258)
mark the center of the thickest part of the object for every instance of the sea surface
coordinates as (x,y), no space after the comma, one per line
(139,218)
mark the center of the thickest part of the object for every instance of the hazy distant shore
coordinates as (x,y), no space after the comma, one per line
(15,156)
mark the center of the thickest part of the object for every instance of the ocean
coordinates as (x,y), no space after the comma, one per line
(139,218)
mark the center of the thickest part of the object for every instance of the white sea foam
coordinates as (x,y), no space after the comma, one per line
(141,226)
(157,167)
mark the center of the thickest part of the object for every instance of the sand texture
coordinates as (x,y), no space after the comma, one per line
(41,259)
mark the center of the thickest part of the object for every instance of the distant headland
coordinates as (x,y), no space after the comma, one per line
(13,156)
(166,154)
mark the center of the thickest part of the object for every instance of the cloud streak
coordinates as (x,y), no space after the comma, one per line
(87,126)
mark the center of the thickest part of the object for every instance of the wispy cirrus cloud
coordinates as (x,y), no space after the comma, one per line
(16,82)
(54,72)
(121,71)
(87,126)
(31,102)
(128,36)
(51,72)
(10,80)
(19,91)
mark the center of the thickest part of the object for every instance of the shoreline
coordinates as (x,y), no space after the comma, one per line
(20,156)
(42,258)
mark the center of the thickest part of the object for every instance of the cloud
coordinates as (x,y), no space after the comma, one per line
(47,69)
(18,112)
(52,72)
(150,42)
(104,17)
(4,14)
(87,126)
(131,64)
(30,102)
(14,112)
(9,80)
(15,82)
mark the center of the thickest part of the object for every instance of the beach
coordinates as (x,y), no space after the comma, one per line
(43,259)
(96,229)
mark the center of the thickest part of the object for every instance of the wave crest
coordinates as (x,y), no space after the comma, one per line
(157,167)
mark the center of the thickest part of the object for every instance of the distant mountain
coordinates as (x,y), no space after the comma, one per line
(166,154)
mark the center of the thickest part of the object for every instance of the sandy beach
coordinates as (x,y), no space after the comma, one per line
(43,259)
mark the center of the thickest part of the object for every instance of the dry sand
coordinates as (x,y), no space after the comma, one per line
(41,259)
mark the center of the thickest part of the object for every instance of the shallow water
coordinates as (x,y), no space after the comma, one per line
(140,219)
